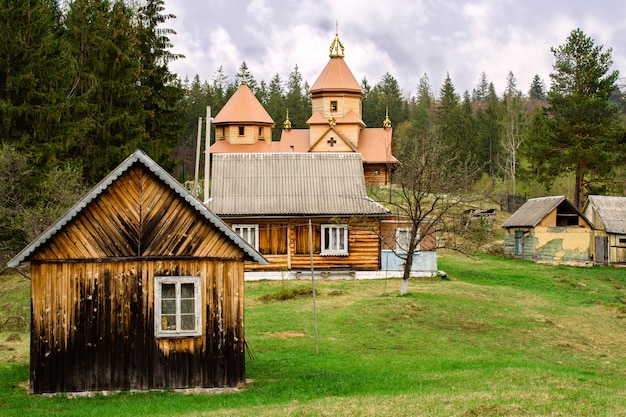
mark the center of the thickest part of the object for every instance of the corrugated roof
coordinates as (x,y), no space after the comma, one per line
(337,77)
(533,211)
(243,107)
(141,158)
(610,210)
(290,184)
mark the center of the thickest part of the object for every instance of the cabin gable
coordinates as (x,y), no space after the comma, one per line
(137,216)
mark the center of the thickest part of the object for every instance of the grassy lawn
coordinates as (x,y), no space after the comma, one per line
(497,338)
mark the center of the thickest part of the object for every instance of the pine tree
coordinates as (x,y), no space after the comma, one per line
(297,100)
(109,108)
(537,90)
(276,105)
(160,90)
(586,128)
(35,81)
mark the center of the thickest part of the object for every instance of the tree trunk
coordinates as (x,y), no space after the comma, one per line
(403,287)
(579,188)
(406,273)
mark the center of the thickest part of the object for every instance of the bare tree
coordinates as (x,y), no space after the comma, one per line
(432,188)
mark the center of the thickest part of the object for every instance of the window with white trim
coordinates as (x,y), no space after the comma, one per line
(334,240)
(177,306)
(249,233)
(403,239)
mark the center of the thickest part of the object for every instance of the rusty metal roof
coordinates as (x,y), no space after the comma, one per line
(611,211)
(281,184)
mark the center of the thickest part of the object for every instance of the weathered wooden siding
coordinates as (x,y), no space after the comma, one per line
(93,295)
(376,174)
(617,249)
(93,327)
(137,216)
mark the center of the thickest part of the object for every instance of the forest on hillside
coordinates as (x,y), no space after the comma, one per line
(85,84)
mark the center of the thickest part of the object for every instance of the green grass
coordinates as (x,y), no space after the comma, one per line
(498,338)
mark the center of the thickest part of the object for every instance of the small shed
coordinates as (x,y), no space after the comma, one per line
(138,286)
(549,229)
(608,215)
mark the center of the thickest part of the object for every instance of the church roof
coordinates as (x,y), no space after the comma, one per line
(260,146)
(336,77)
(243,107)
(375,146)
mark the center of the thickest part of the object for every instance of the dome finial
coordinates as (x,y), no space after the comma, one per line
(387,121)
(336,48)
(287,122)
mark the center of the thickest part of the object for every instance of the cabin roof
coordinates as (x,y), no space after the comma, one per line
(536,209)
(138,157)
(280,184)
(611,211)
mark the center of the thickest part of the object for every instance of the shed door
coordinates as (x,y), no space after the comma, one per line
(602,249)
(519,235)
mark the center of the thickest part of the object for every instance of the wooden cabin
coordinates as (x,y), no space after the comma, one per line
(549,229)
(270,199)
(608,215)
(137,287)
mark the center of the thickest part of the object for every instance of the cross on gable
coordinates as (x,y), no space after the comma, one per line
(331,141)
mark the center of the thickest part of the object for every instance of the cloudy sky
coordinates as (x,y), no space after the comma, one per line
(406,38)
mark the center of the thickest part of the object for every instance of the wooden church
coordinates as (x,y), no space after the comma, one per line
(335,126)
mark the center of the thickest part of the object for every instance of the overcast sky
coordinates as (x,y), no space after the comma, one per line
(406,38)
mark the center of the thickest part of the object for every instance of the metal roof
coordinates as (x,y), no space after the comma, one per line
(336,76)
(610,210)
(533,211)
(283,184)
(138,157)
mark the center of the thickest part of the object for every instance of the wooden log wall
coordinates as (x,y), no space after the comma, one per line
(363,247)
(92,328)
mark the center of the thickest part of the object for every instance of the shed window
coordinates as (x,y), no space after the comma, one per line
(249,233)
(241,130)
(177,306)
(334,240)
(403,238)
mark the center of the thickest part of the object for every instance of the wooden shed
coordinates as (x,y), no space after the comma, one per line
(269,199)
(549,229)
(138,286)
(608,215)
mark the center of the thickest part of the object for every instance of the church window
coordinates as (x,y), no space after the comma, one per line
(241,131)
(333,105)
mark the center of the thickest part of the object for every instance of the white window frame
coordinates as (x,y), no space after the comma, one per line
(336,244)
(177,281)
(249,233)
(403,234)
